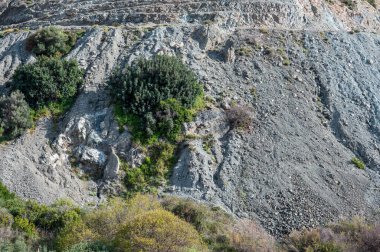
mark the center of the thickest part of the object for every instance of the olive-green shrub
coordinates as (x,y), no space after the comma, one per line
(15,116)
(51,41)
(158,230)
(48,80)
(139,224)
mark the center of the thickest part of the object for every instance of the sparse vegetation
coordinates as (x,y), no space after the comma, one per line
(155,169)
(244,51)
(372,2)
(349,235)
(239,118)
(358,163)
(52,42)
(264,30)
(5,32)
(218,229)
(351,4)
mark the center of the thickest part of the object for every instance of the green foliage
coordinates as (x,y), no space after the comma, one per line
(18,245)
(25,225)
(6,219)
(120,225)
(48,80)
(142,86)
(358,163)
(5,194)
(220,231)
(54,109)
(155,169)
(29,216)
(15,116)
(161,91)
(88,247)
(52,42)
(158,230)
(351,4)
(212,223)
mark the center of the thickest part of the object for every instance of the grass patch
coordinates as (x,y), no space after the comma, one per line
(155,169)
(53,109)
(358,163)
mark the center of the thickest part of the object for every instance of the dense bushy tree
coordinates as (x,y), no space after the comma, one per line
(48,80)
(51,41)
(15,115)
(161,91)
(142,86)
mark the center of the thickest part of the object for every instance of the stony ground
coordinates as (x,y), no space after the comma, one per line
(307,71)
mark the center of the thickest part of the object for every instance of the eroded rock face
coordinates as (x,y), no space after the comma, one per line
(314,96)
(285,14)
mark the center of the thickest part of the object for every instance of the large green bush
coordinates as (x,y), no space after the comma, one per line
(15,115)
(158,230)
(160,91)
(51,41)
(48,80)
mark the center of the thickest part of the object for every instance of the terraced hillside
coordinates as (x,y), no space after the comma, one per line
(308,70)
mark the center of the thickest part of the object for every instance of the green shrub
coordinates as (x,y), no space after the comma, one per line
(358,163)
(25,225)
(155,169)
(51,41)
(101,225)
(5,194)
(161,91)
(18,245)
(88,247)
(6,219)
(15,116)
(213,224)
(158,230)
(220,231)
(48,80)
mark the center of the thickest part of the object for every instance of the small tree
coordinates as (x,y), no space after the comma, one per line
(15,115)
(48,80)
(51,41)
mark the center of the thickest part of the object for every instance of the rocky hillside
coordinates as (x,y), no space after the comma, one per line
(308,71)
